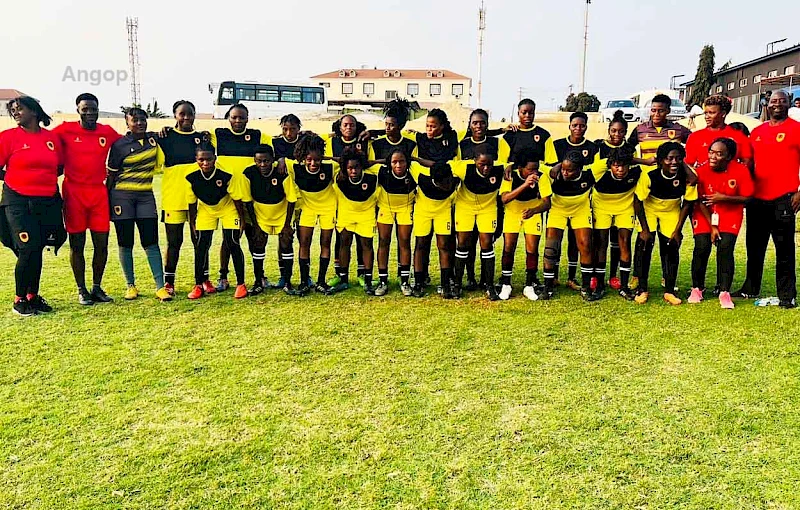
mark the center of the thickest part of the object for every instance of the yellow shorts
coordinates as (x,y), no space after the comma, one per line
(361,228)
(513,223)
(325,219)
(205,221)
(577,218)
(440,224)
(467,218)
(663,222)
(387,217)
(174,217)
(604,221)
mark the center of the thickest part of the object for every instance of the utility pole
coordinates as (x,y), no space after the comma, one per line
(481,30)
(585,44)
(133,58)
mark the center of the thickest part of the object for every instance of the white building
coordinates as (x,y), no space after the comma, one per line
(373,88)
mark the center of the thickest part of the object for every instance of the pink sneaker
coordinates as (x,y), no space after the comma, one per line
(697,295)
(725,301)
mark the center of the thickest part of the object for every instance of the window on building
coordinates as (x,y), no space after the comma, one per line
(436,89)
(718,89)
(412,89)
(369,88)
(788,70)
(731,85)
(757,78)
(458,89)
(772,74)
(743,82)
(391,94)
(347,88)
(326,84)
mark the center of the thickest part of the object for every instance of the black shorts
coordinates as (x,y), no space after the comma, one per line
(33,221)
(132,205)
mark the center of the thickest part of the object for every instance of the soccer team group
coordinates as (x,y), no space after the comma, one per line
(467,189)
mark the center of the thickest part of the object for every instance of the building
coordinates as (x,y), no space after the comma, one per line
(373,88)
(7,95)
(745,83)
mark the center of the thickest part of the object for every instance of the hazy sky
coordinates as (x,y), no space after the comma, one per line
(534,44)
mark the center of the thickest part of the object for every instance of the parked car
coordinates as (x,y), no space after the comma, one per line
(677,110)
(628,107)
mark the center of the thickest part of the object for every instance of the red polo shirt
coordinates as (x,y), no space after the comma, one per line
(85,152)
(734,181)
(776,152)
(31,161)
(700,141)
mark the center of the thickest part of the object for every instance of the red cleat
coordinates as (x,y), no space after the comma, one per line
(196,293)
(208,287)
(170,288)
(614,283)
(241,291)
(593,284)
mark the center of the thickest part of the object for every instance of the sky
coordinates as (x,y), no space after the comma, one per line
(534,44)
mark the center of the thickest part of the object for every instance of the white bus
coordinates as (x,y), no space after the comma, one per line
(267,100)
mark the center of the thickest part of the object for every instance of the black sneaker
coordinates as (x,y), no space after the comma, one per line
(369,290)
(256,289)
(23,308)
(99,296)
(302,290)
(322,288)
(455,291)
(339,287)
(743,295)
(547,293)
(471,285)
(426,281)
(491,293)
(417,291)
(85,298)
(627,294)
(39,305)
(287,288)
(787,304)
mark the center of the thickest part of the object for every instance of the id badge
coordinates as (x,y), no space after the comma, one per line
(714,219)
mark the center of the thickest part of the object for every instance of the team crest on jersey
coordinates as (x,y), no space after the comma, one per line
(274,181)
(152,141)
(322,177)
(358,146)
(197,141)
(676,183)
(364,186)
(246,138)
(671,133)
(23,236)
(77,139)
(219,183)
(732,183)
(584,185)
(51,145)
(102,141)
(445,143)
(780,137)
(536,138)
(492,179)
(585,152)
(630,181)
(117,210)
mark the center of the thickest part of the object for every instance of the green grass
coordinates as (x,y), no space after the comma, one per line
(356,402)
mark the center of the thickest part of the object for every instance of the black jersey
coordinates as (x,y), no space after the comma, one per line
(609,185)
(233,144)
(266,189)
(604,147)
(210,190)
(394,185)
(441,149)
(382,147)
(574,188)
(283,148)
(534,138)
(563,146)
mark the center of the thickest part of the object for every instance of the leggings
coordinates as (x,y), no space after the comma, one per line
(203,246)
(725,260)
(670,252)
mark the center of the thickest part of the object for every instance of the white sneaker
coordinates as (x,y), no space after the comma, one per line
(505,292)
(530,293)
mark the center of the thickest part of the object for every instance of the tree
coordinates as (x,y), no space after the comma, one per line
(725,66)
(704,79)
(583,102)
(153,112)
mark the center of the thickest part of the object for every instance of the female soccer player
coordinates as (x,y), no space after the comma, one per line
(396,114)
(525,134)
(347,133)
(570,184)
(284,143)
(179,146)
(31,204)
(211,195)
(439,143)
(555,151)
(357,196)
(715,110)
(314,181)
(269,198)
(395,206)
(132,162)
(524,207)
(613,213)
(475,206)
(235,150)
(667,200)
(725,185)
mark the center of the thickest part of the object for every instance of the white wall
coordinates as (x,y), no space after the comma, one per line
(400,85)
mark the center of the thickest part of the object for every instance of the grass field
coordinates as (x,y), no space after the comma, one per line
(356,402)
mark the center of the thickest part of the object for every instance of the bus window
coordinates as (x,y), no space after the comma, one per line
(312,95)
(245,92)
(225,95)
(267,94)
(291,95)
